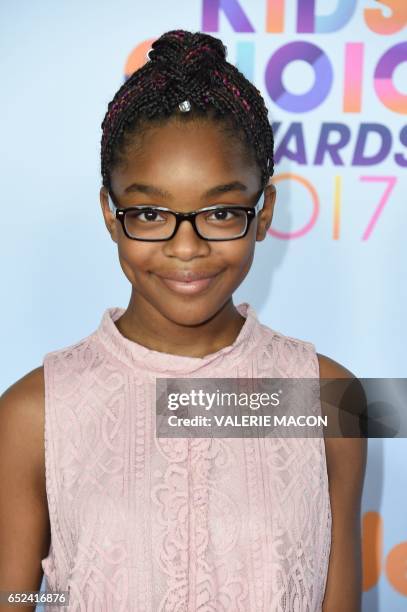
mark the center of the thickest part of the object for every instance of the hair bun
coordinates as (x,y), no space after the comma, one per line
(192,51)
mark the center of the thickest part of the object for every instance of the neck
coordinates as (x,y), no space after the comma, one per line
(144,324)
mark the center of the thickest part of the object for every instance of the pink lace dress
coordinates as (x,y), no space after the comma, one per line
(147,524)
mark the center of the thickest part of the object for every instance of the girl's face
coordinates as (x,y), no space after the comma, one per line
(180,163)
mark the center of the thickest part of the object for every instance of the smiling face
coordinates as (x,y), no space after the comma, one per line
(183,163)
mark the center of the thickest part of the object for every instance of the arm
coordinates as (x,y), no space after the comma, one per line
(24,522)
(346,463)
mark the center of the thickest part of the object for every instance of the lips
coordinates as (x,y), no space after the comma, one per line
(187,276)
(188,282)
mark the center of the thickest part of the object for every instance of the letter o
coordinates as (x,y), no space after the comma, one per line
(388,94)
(299,103)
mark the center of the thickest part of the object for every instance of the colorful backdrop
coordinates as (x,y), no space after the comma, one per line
(332,271)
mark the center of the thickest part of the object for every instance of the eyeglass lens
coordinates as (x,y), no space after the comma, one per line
(157,224)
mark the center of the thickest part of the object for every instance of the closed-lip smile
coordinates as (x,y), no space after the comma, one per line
(186,276)
(187,281)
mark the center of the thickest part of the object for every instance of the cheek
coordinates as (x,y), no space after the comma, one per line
(236,257)
(245,261)
(136,257)
(241,253)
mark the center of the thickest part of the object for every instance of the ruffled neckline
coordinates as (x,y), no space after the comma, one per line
(136,355)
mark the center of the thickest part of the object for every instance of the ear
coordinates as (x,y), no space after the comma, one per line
(266,214)
(110,220)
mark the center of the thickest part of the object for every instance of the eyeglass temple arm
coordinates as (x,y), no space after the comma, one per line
(260,203)
(112,205)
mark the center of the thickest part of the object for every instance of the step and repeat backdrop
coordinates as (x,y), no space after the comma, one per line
(332,270)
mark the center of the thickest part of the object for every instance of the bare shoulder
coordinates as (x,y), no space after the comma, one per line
(346,456)
(329,368)
(22,414)
(24,517)
(346,464)
(31,382)
(24,400)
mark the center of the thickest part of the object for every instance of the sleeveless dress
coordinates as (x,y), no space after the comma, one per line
(147,524)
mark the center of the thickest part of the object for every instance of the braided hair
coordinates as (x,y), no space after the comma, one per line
(184,65)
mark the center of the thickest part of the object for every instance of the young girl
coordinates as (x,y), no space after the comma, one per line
(129,521)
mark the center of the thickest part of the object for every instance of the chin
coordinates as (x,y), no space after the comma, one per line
(190,312)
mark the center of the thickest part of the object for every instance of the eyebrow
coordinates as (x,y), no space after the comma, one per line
(155,191)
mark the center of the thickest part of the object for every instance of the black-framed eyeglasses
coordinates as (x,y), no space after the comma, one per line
(157,223)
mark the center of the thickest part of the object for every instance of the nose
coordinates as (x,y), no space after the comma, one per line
(186,244)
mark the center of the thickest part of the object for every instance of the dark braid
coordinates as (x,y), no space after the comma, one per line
(187,66)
